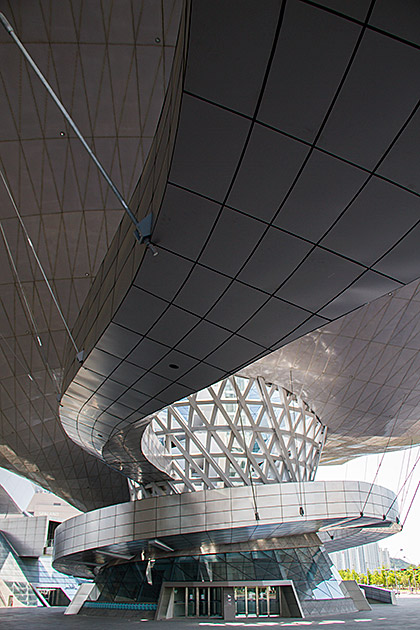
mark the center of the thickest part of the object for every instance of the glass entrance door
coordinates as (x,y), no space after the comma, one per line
(257,601)
(193,601)
(262,602)
(273,593)
(240,601)
(215,602)
(203,602)
(251,602)
(179,602)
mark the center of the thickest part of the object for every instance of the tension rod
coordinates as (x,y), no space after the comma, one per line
(143,228)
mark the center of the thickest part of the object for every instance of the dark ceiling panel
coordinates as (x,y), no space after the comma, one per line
(199,376)
(284,252)
(147,353)
(231,242)
(172,326)
(109,389)
(318,280)
(378,95)
(162,275)
(206,156)
(401,163)
(273,321)
(215,69)
(185,220)
(133,399)
(203,339)
(151,384)
(175,365)
(354,8)
(402,262)
(237,304)
(192,297)
(356,234)
(117,340)
(235,350)
(127,373)
(101,362)
(305,75)
(173,392)
(325,187)
(115,413)
(398,18)
(270,165)
(139,310)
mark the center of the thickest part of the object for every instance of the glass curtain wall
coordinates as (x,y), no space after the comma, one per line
(310,569)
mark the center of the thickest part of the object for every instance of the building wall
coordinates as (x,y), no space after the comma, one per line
(45,503)
(361,558)
(27,535)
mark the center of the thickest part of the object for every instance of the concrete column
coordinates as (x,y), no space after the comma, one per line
(228,603)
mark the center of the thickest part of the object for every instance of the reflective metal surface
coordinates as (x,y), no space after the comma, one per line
(265,249)
(360,375)
(283,149)
(110,65)
(212,517)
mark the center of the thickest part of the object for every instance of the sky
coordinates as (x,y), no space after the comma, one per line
(392,471)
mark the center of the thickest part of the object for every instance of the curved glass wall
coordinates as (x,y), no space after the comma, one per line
(310,569)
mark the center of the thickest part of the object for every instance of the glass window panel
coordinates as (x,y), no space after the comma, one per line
(179,601)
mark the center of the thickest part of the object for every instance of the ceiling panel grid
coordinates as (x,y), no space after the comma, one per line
(110,65)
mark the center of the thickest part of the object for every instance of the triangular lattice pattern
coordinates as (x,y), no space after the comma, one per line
(239,431)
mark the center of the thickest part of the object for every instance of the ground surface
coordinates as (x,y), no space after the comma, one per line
(405,615)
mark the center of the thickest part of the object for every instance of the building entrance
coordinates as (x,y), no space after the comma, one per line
(228,600)
(257,601)
(194,601)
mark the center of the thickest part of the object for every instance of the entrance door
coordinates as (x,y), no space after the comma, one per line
(215,602)
(240,601)
(252,602)
(193,601)
(262,602)
(257,601)
(203,602)
(274,601)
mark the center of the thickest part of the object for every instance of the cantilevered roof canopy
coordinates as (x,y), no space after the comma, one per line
(282,180)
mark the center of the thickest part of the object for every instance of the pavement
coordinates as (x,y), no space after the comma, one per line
(405,615)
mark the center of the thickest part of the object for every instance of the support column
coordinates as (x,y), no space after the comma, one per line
(228,603)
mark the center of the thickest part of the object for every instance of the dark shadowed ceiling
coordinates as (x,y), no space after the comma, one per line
(284,196)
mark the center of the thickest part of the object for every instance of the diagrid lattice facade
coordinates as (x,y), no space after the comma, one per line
(239,431)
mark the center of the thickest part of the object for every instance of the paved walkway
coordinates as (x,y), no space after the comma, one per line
(405,615)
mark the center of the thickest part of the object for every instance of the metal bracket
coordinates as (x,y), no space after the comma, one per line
(143,232)
(80,356)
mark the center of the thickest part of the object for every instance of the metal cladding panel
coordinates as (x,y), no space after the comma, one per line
(227,517)
(27,535)
(95,58)
(185,337)
(236,157)
(360,375)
